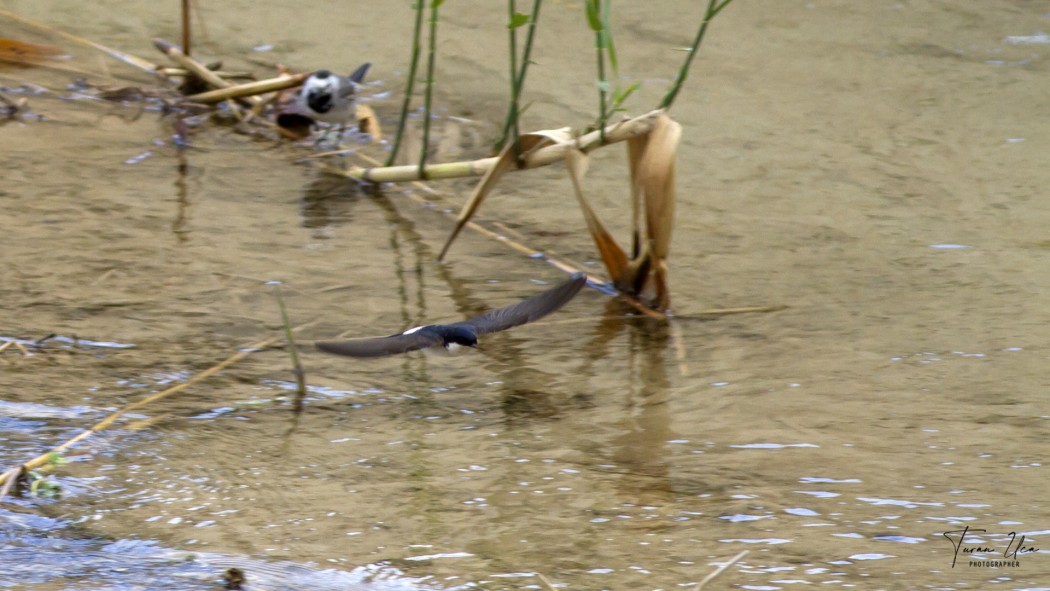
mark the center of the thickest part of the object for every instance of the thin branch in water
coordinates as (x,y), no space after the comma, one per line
(112,417)
(713,8)
(297,366)
(409,85)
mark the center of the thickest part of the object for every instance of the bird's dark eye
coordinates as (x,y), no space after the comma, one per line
(322,74)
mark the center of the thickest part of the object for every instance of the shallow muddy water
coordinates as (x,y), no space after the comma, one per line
(878,168)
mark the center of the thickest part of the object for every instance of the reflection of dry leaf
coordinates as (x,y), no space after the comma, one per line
(24,53)
(368,122)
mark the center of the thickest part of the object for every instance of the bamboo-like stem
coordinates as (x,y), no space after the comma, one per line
(198,69)
(713,8)
(109,420)
(183,72)
(409,85)
(131,60)
(616,132)
(431,54)
(249,89)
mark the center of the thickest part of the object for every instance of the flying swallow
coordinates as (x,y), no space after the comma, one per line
(449,337)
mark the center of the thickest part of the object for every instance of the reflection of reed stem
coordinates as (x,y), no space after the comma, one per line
(409,85)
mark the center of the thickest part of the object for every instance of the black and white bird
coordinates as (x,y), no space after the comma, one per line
(329,97)
(450,337)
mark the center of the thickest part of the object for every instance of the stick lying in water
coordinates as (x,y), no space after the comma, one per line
(7,479)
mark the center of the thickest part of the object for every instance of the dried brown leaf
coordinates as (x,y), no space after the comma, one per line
(507,160)
(368,122)
(635,150)
(24,53)
(656,175)
(612,254)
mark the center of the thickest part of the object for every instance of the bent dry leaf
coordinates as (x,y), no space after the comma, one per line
(656,173)
(23,53)
(612,254)
(506,160)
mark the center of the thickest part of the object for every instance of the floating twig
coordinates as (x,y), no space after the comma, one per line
(721,569)
(109,420)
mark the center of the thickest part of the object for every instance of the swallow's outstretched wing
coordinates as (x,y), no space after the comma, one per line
(529,309)
(382,346)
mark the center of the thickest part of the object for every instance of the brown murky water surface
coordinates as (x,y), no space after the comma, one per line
(878,167)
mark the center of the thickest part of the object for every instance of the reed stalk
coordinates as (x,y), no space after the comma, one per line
(187,29)
(297,366)
(594,19)
(713,8)
(409,84)
(428,95)
(511,126)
